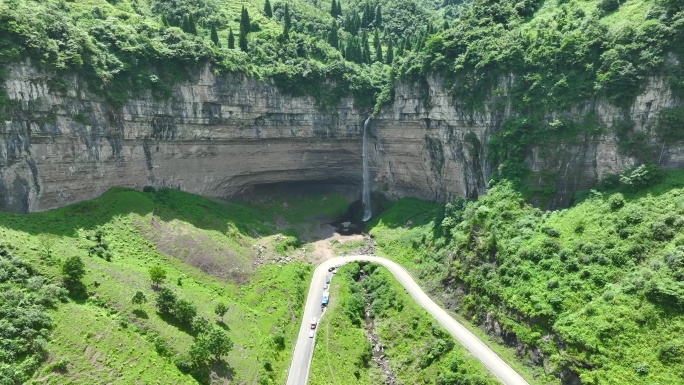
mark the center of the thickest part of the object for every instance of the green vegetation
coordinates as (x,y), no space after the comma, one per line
(418,349)
(127,47)
(595,289)
(120,326)
(341,334)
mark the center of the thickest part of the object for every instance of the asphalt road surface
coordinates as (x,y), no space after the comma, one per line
(303,351)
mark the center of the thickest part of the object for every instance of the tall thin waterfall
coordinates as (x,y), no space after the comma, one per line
(366,175)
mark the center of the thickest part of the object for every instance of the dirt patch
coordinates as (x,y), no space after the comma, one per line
(197,248)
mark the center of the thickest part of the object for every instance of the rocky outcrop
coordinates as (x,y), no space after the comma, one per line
(227,136)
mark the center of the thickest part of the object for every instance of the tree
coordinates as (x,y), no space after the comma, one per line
(73,269)
(242,41)
(166,300)
(333,9)
(365,48)
(245,23)
(199,351)
(378,47)
(46,242)
(185,311)
(268,11)
(214,35)
(201,325)
(333,38)
(139,298)
(390,52)
(288,22)
(219,343)
(221,310)
(157,275)
(231,39)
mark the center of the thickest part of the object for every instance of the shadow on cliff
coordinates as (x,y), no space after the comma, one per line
(166,205)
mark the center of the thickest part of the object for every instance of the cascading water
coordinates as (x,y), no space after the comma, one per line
(366,175)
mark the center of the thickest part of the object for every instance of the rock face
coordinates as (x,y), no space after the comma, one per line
(217,137)
(427,145)
(231,136)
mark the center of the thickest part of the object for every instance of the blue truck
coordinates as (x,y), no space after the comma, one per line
(324,301)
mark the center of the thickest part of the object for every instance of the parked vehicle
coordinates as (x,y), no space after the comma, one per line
(324,300)
(311,334)
(314,321)
(331,269)
(325,287)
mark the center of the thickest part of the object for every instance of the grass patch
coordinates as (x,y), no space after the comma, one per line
(104,337)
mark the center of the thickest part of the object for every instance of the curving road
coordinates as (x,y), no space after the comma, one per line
(303,351)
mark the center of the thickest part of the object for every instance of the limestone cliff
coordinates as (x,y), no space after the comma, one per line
(428,145)
(230,135)
(217,136)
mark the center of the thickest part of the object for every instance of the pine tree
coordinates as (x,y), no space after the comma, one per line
(165,21)
(371,14)
(378,47)
(245,23)
(288,22)
(339,8)
(268,11)
(365,48)
(214,35)
(191,26)
(364,18)
(185,23)
(333,9)
(243,41)
(390,52)
(231,39)
(333,38)
(378,17)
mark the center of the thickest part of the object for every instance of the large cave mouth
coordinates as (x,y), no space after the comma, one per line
(350,190)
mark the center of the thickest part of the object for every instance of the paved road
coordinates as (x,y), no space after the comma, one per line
(303,351)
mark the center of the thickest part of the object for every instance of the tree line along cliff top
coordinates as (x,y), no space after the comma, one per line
(561,52)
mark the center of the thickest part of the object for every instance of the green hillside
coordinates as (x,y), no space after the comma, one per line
(417,348)
(93,332)
(596,289)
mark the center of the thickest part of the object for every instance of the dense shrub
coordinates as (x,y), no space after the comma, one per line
(25,298)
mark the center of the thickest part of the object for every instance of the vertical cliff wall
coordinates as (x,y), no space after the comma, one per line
(227,136)
(428,145)
(217,136)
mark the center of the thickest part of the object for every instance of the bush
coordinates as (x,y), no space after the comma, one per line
(149,189)
(73,269)
(608,5)
(162,347)
(641,176)
(184,312)
(166,300)
(616,201)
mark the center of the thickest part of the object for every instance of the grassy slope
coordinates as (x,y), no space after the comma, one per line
(339,337)
(605,313)
(107,338)
(409,336)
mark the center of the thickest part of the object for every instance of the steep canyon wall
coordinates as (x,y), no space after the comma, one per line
(226,136)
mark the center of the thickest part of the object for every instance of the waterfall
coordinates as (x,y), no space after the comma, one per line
(366,174)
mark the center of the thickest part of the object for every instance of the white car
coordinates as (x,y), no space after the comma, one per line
(325,287)
(311,334)
(314,321)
